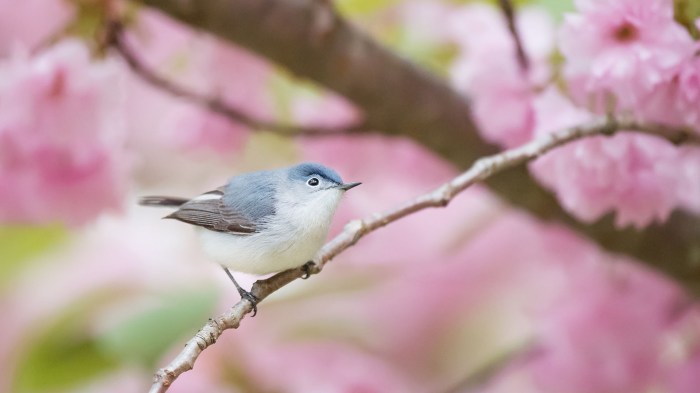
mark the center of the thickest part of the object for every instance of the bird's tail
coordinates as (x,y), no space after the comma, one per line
(161,201)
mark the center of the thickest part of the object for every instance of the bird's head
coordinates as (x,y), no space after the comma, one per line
(317,184)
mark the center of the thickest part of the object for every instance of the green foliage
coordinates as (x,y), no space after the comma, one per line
(145,337)
(436,58)
(19,245)
(686,12)
(352,8)
(62,355)
(65,354)
(556,8)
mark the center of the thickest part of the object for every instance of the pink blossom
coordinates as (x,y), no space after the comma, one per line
(326,111)
(204,65)
(394,170)
(479,289)
(62,152)
(622,48)
(606,332)
(487,68)
(125,256)
(685,379)
(674,101)
(198,129)
(633,175)
(132,379)
(238,78)
(29,23)
(590,323)
(689,178)
(425,21)
(329,367)
(581,321)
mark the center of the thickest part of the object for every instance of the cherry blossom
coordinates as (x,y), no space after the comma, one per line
(32,23)
(620,50)
(62,136)
(635,176)
(487,69)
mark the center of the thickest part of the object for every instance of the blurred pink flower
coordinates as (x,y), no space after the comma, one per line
(29,23)
(685,378)
(131,379)
(205,65)
(62,140)
(597,324)
(689,178)
(118,261)
(196,130)
(674,101)
(240,79)
(329,110)
(324,367)
(621,47)
(634,175)
(394,170)
(425,21)
(488,71)
(421,310)
(605,333)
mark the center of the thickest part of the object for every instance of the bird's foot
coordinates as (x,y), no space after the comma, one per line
(307,269)
(244,294)
(251,298)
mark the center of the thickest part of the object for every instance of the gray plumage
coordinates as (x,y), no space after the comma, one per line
(242,205)
(253,193)
(215,215)
(265,221)
(302,171)
(262,222)
(161,201)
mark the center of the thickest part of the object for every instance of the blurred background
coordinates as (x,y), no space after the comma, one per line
(97,293)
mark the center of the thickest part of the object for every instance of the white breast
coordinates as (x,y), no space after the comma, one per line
(289,240)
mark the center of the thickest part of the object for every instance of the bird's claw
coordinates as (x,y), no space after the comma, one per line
(251,298)
(307,270)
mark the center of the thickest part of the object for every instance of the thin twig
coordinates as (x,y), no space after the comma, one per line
(509,13)
(440,197)
(115,39)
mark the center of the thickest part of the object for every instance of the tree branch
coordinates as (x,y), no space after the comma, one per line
(116,39)
(509,13)
(311,40)
(482,169)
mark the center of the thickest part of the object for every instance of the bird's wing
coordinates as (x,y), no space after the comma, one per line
(209,211)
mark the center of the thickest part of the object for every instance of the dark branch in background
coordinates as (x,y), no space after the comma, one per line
(115,38)
(355,230)
(311,40)
(509,13)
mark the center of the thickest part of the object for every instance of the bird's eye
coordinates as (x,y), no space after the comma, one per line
(312,182)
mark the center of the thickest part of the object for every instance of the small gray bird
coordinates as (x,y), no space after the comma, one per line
(263,222)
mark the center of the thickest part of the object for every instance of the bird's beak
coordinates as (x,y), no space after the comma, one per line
(348,186)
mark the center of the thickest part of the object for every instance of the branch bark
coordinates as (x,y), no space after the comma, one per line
(310,39)
(509,14)
(116,39)
(482,169)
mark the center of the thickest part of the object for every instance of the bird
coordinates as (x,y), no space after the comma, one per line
(262,222)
